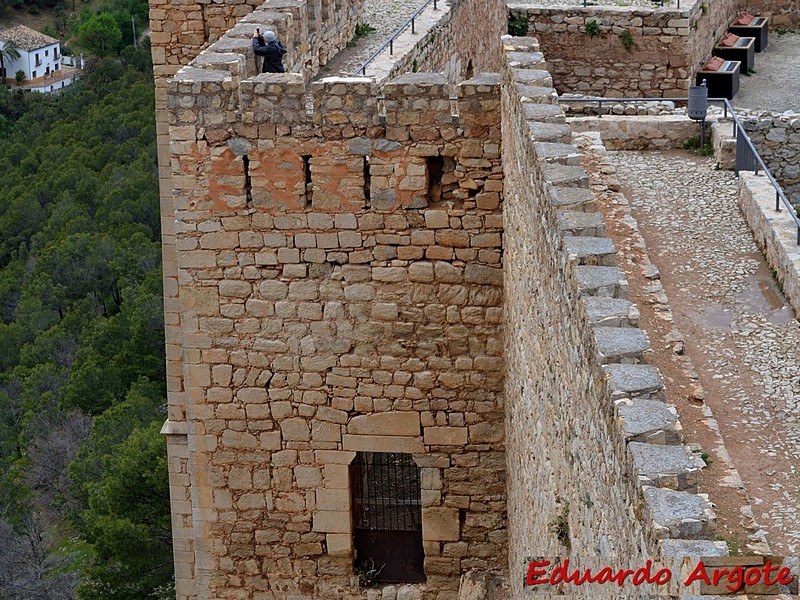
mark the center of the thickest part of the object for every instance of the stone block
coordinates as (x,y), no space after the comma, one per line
(621,344)
(671,467)
(592,251)
(445,436)
(608,282)
(331,521)
(679,514)
(634,380)
(388,423)
(389,443)
(339,544)
(440,524)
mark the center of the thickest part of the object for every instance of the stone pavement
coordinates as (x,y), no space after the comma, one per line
(775,85)
(739,332)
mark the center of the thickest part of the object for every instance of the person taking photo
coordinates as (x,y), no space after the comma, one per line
(271,50)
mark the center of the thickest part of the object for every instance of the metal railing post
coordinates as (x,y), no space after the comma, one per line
(777,201)
(391,46)
(412,26)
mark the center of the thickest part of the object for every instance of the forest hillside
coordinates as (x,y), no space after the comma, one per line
(84,503)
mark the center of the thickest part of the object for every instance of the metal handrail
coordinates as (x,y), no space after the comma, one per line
(739,134)
(362,70)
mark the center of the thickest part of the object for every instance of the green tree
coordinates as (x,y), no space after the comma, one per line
(9,52)
(128,522)
(19,77)
(100,34)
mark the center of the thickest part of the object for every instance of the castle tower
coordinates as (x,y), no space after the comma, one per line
(333,288)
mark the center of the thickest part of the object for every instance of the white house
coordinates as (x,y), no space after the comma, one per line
(39,58)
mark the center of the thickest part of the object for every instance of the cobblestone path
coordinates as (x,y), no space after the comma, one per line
(385,16)
(739,332)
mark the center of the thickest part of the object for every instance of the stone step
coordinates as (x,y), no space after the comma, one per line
(608,282)
(572,198)
(582,224)
(592,251)
(555,152)
(550,132)
(649,421)
(544,113)
(680,514)
(671,467)
(626,345)
(611,312)
(540,77)
(526,60)
(565,176)
(537,94)
(625,381)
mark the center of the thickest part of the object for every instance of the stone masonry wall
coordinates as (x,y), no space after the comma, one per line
(777,139)
(596,467)
(669,46)
(453,45)
(784,14)
(179,32)
(341,284)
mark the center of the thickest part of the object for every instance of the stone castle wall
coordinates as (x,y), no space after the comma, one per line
(784,14)
(585,479)
(341,284)
(455,46)
(669,45)
(179,32)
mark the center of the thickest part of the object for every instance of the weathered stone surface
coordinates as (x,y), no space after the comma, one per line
(672,467)
(592,251)
(634,380)
(611,312)
(389,423)
(576,223)
(678,514)
(649,421)
(621,344)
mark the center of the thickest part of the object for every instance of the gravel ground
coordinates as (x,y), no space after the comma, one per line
(775,85)
(739,332)
(385,16)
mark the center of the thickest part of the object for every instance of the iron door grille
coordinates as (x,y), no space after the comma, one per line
(387,517)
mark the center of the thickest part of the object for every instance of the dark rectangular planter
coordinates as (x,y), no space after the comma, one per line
(743,51)
(723,83)
(758,28)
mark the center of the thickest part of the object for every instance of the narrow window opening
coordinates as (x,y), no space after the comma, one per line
(435,168)
(367,182)
(387,517)
(248,184)
(470,70)
(309,186)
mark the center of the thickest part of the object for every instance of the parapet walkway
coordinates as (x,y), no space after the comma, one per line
(385,16)
(740,334)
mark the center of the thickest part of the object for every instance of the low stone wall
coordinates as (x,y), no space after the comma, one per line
(588,53)
(641,132)
(777,139)
(784,14)
(775,232)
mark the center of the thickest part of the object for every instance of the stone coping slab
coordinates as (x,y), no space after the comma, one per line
(672,467)
(573,198)
(621,344)
(634,380)
(611,312)
(679,514)
(596,251)
(602,281)
(649,421)
(582,224)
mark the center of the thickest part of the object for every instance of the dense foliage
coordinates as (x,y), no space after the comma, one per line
(84,506)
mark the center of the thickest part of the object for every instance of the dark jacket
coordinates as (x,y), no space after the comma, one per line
(272,53)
